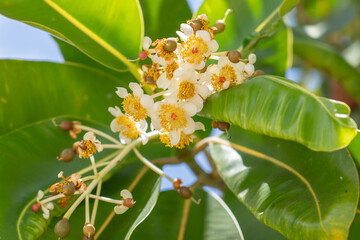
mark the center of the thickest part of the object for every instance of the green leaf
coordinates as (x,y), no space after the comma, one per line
(277,107)
(248,16)
(287,5)
(275,54)
(28,161)
(301,193)
(32,91)
(355,227)
(174,217)
(326,58)
(109,31)
(251,227)
(163,17)
(354,149)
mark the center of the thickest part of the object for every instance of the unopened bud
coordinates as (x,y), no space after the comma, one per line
(220,26)
(234,56)
(62,228)
(185,192)
(66,125)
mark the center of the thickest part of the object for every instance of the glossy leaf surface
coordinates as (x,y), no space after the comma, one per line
(277,107)
(109,31)
(44,90)
(183,219)
(301,193)
(251,227)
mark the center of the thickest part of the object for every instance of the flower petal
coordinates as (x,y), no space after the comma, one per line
(114,126)
(205,35)
(137,90)
(213,45)
(120,209)
(50,206)
(190,126)
(174,137)
(190,108)
(163,82)
(121,92)
(89,136)
(147,102)
(186,29)
(252,58)
(40,195)
(115,111)
(249,69)
(146,42)
(199,126)
(126,194)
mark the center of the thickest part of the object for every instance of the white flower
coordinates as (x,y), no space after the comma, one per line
(137,104)
(186,86)
(197,47)
(224,74)
(174,117)
(127,203)
(128,129)
(44,207)
(146,43)
(89,145)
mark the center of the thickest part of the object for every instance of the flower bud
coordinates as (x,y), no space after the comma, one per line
(223,126)
(220,26)
(62,228)
(35,207)
(196,24)
(214,124)
(185,192)
(66,125)
(234,56)
(170,44)
(67,155)
(88,230)
(68,189)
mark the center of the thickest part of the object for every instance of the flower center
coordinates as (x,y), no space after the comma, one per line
(127,127)
(170,69)
(152,72)
(133,107)
(186,90)
(227,72)
(184,140)
(172,117)
(194,49)
(89,150)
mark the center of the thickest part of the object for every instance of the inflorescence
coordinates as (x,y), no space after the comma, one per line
(181,80)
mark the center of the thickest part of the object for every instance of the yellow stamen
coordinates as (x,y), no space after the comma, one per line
(184,140)
(153,72)
(127,127)
(172,117)
(90,149)
(186,90)
(194,49)
(227,73)
(133,107)
(170,69)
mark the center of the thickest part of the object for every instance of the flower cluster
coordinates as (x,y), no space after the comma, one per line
(181,78)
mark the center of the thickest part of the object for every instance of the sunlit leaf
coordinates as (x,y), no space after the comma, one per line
(109,31)
(278,107)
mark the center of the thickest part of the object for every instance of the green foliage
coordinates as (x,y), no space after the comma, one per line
(280,108)
(290,166)
(211,219)
(67,88)
(283,184)
(109,31)
(326,58)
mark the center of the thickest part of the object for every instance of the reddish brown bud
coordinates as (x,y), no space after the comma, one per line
(234,56)
(177,183)
(214,124)
(67,155)
(223,126)
(185,192)
(142,55)
(35,207)
(66,125)
(128,202)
